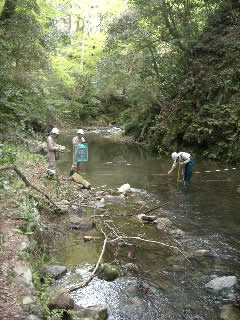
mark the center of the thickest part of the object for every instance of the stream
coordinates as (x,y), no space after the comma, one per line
(166,285)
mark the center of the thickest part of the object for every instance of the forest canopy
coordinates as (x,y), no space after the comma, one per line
(167,71)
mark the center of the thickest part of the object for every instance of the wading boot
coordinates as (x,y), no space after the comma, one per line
(71,172)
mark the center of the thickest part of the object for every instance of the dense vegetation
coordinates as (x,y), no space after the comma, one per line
(168,71)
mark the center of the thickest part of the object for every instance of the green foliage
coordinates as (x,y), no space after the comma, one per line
(8,154)
(30,215)
(183,84)
(167,71)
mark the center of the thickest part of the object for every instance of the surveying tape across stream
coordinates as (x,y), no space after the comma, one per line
(206,171)
(217,170)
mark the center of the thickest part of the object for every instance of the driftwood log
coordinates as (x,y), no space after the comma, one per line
(29,184)
(90,238)
(79,179)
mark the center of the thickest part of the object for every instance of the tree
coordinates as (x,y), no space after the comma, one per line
(8,10)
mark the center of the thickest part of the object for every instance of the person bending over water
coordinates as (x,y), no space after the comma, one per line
(186,160)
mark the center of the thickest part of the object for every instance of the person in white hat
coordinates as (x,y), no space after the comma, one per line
(53,149)
(77,140)
(183,159)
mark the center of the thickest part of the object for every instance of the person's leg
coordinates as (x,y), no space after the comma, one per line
(78,167)
(51,169)
(73,168)
(188,170)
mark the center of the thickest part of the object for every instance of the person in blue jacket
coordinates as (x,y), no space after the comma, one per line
(183,159)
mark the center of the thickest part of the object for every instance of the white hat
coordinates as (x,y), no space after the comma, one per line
(55,130)
(80,131)
(174,156)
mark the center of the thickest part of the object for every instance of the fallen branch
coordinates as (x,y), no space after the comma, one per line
(156,208)
(100,216)
(79,179)
(150,241)
(28,183)
(85,283)
(89,238)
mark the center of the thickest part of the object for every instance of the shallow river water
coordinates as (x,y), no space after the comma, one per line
(166,285)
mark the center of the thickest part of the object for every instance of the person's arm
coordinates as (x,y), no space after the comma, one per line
(52,146)
(185,161)
(173,167)
(170,171)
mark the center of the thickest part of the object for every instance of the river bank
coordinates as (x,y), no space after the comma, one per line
(25,213)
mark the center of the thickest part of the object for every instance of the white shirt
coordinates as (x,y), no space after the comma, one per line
(182,157)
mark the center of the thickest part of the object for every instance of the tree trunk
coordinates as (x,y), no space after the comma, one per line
(8,10)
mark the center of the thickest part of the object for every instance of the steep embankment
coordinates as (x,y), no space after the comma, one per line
(205,111)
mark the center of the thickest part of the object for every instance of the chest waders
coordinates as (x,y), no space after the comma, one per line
(188,170)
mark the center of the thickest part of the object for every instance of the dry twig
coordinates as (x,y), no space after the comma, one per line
(150,241)
(85,283)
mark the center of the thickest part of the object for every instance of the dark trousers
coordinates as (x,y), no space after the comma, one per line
(188,170)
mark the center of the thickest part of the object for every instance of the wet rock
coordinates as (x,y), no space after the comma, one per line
(31,306)
(147,219)
(124,214)
(132,291)
(56,271)
(28,300)
(114,199)
(131,267)
(80,222)
(218,284)
(229,312)
(203,252)
(74,207)
(64,202)
(108,272)
(177,267)
(124,188)
(98,312)
(32,317)
(64,208)
(136,301)
(61,300)
(163,284)
(24,245)
(177,233)
(163,224)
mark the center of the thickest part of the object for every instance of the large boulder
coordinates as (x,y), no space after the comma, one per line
(77,222)
(98,312)
(218,284)
(61,300)
(163,224)
(108,272)
(229,312)
(23,275)
(56,271)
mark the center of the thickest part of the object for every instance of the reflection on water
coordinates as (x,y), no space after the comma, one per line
(207,212)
